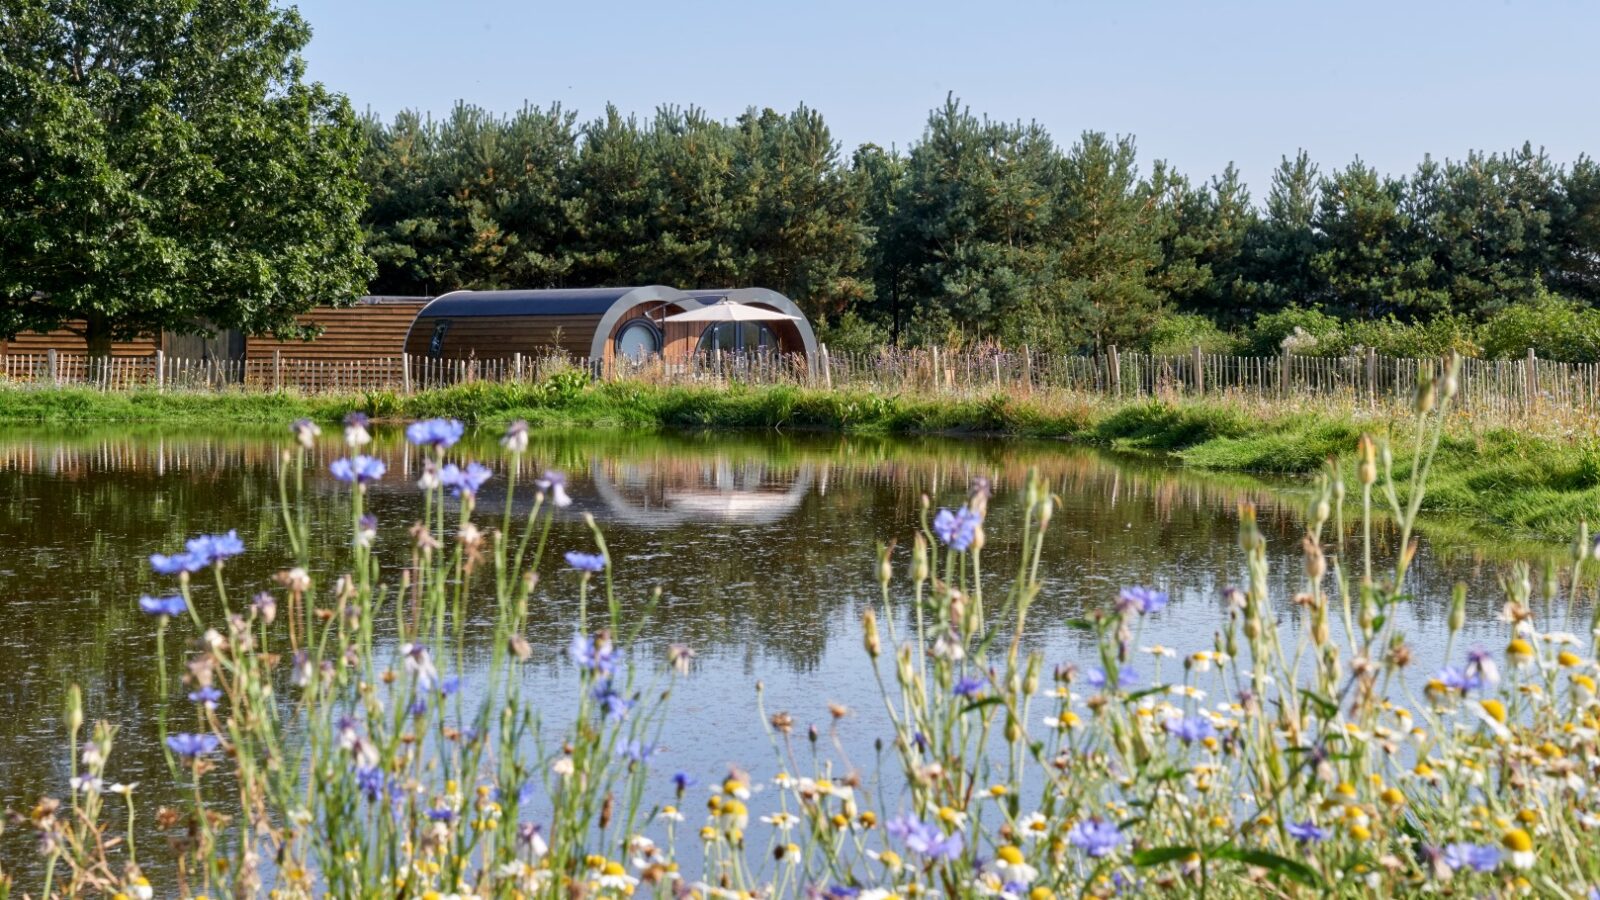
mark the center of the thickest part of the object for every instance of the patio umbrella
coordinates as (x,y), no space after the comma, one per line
(726,310)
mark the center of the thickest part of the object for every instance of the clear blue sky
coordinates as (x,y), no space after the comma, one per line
(1198,83)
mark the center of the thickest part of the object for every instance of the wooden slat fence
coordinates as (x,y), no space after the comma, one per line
(1497,386)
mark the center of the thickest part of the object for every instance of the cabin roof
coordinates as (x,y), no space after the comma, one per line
(553,302)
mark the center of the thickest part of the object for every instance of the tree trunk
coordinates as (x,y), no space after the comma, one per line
(97,334)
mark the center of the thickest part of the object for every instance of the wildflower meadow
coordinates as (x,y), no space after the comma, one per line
(327,746)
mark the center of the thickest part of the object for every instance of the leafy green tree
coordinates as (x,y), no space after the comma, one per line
(475,201)
(1280,248)
(972,225)
(879,176)
(1111,225)
(801,226)
(612,204)
(165,166)
(1575,232)
(1369,260)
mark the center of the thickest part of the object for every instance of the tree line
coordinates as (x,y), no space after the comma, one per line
(171,169)
(979,230)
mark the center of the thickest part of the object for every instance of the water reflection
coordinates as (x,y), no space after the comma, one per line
(762,546)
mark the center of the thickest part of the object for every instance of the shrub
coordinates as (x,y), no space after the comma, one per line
(1555,328)
(851,334)
(1177,332)
(1435,337)
(1311,332)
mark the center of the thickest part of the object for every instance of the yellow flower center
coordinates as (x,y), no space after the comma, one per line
(1517,841)
(1010,854)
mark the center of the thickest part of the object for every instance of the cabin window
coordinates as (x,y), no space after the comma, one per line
(436,343)
(638,339)
(737,337)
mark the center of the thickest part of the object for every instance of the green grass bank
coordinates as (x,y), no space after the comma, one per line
(1502,478)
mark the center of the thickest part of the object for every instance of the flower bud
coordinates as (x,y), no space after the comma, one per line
(1582,548)
(885,571)
(919,559)
(1368,469)
(869,629)
(74,710)
(1458,606)
(1426,393)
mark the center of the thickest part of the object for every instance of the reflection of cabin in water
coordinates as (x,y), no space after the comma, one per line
(670,491)
(600,324)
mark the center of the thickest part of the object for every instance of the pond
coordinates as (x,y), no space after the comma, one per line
(762,546)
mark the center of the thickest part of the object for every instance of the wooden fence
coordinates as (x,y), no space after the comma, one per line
(1501,386)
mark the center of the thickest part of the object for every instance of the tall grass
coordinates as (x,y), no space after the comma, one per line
(1308,761)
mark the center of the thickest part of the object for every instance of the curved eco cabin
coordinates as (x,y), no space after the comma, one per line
(602,324)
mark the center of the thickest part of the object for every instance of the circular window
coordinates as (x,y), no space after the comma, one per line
(638,339)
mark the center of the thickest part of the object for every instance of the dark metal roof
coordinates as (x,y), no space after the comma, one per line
(556,302)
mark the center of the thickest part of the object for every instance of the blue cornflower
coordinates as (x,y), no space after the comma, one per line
(1481,665)
(526,793)
(1457,680)
(613,704)
(449,685)
(936,846)
(418,707)
(207,695)
(969,687)
(957,529)
(438,433)
(441,815)
(586,562)
(369,780)
(683,781)
(925,839)
(1306,832)
(1142,600)
(555,484)
(1477,857)
(596,656)
(199,552)
(1096,677)
(163,606)
(1095,837)
(637,750)
(173,565)
(1191,728)
(841,892)
(358,469)
(467,480)
(192,745)
(214,548)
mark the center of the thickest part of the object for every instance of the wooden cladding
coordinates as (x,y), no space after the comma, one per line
(364,331)
(494,337)
(69,339)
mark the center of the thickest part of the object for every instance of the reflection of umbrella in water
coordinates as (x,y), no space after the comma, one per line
(726,310)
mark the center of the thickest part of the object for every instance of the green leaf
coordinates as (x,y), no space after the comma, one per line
(980,704)
(1329,708)
(1272,862)
(1155,856)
